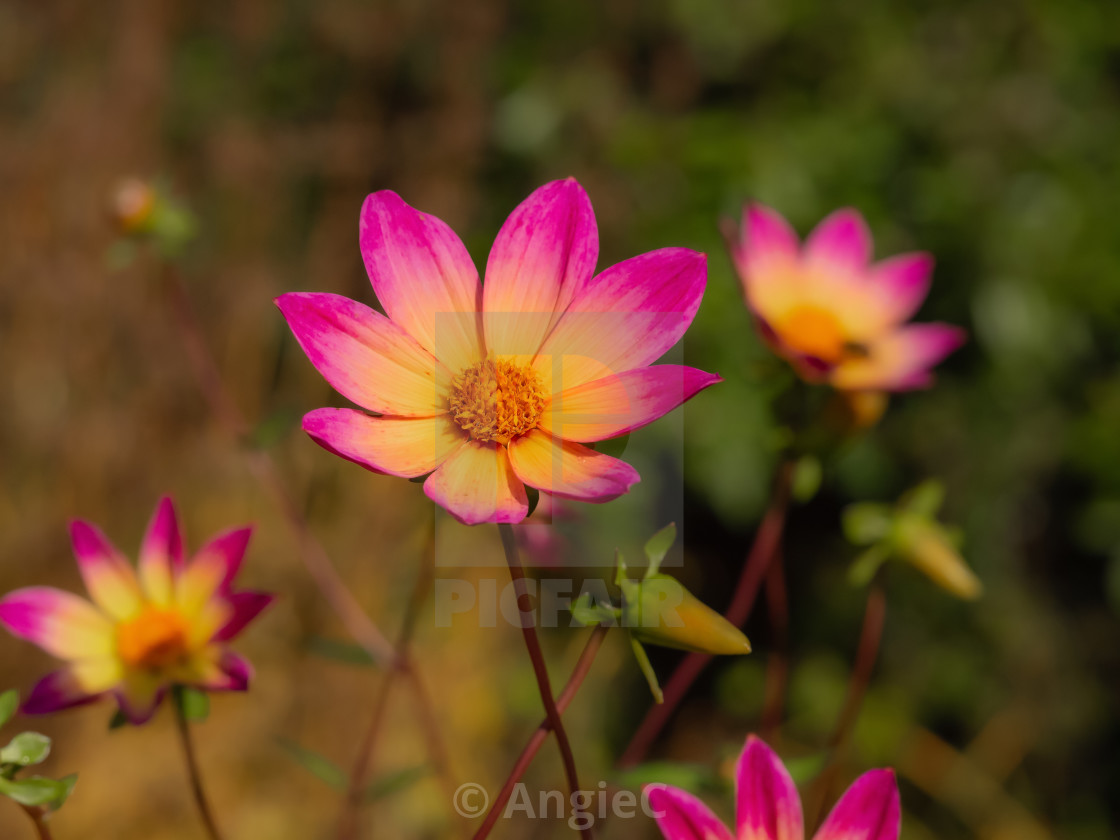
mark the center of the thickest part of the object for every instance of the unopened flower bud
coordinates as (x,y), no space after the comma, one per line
(925,545)
(660,611)
(133,203)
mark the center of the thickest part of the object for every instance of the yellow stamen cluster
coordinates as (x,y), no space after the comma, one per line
(497,400)
(154,639)
(814,331)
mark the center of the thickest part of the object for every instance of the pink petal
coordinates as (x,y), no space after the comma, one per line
(404,446)
(543,256)
(366,357)
(56,691)
(226,551)
(868,810)
(625,319)
(62,624)
(902,283)
(109,578)
(246,606)
(768,805)
(615,405)
(230,673)
(842,241)
(476,484)
(161,553)
(569,470)
(766,238)
(423,276)
(139,696)
(901,361)
(681,816)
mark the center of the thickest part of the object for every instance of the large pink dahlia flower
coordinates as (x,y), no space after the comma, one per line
(491,387)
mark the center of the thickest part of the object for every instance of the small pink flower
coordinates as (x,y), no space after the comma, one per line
(834,315)
(768,807)
(142,633)
(489,388)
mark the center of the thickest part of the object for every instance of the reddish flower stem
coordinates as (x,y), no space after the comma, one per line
(563,700)
(193,774)
(318,564)
(762,553)
(39,818)
(540,668)
(315,558)
(777,664)
(871,635)
(404,667)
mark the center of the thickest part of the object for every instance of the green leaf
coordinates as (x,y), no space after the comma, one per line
(26,749)
(925,499)
(807,475)
(658,546)
(350,653)
(9,703)
(194,704)
(318,765)
(66,787)
(534,497)
(620,568)
(118,720)
(394,782)
(647,670)
(865,566)
(586,611)
(866,522)
(37,791)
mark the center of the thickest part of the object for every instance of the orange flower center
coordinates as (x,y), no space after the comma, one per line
(154,639)
(814,331)
(497,401)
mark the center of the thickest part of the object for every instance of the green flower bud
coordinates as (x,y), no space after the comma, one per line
(660,611)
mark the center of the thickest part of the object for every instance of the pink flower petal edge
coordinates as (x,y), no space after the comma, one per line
(542,258)
(423,276)
(868,810)
(768,806)
(842,240)
(681,816)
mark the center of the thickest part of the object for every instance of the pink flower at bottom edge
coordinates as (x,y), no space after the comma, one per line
(769,808)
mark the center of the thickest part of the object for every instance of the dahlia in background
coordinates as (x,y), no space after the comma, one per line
(838,318)
(167,623)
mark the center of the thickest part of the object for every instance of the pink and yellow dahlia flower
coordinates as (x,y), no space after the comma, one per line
(768,807)
(834,315)
(491,387)
(144,632)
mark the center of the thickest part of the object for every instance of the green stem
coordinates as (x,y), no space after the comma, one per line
(193,774)
(871,634)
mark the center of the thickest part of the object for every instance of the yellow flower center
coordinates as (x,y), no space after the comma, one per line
(156,638)
(814,331)
(497,400)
